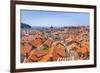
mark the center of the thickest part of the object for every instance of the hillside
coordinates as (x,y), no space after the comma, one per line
(23,25)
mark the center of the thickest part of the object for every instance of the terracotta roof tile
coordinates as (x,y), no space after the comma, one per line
(25,49)
(37,55)
(37,41)
(49,42)
(58,51)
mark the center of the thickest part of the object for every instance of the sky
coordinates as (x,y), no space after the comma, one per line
(40,18)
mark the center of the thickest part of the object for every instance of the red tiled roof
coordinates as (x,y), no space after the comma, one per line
(37,55)
(48,42)
(25,49)
(37,41)
(58,51)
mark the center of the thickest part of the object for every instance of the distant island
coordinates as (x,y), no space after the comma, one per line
(24,25)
